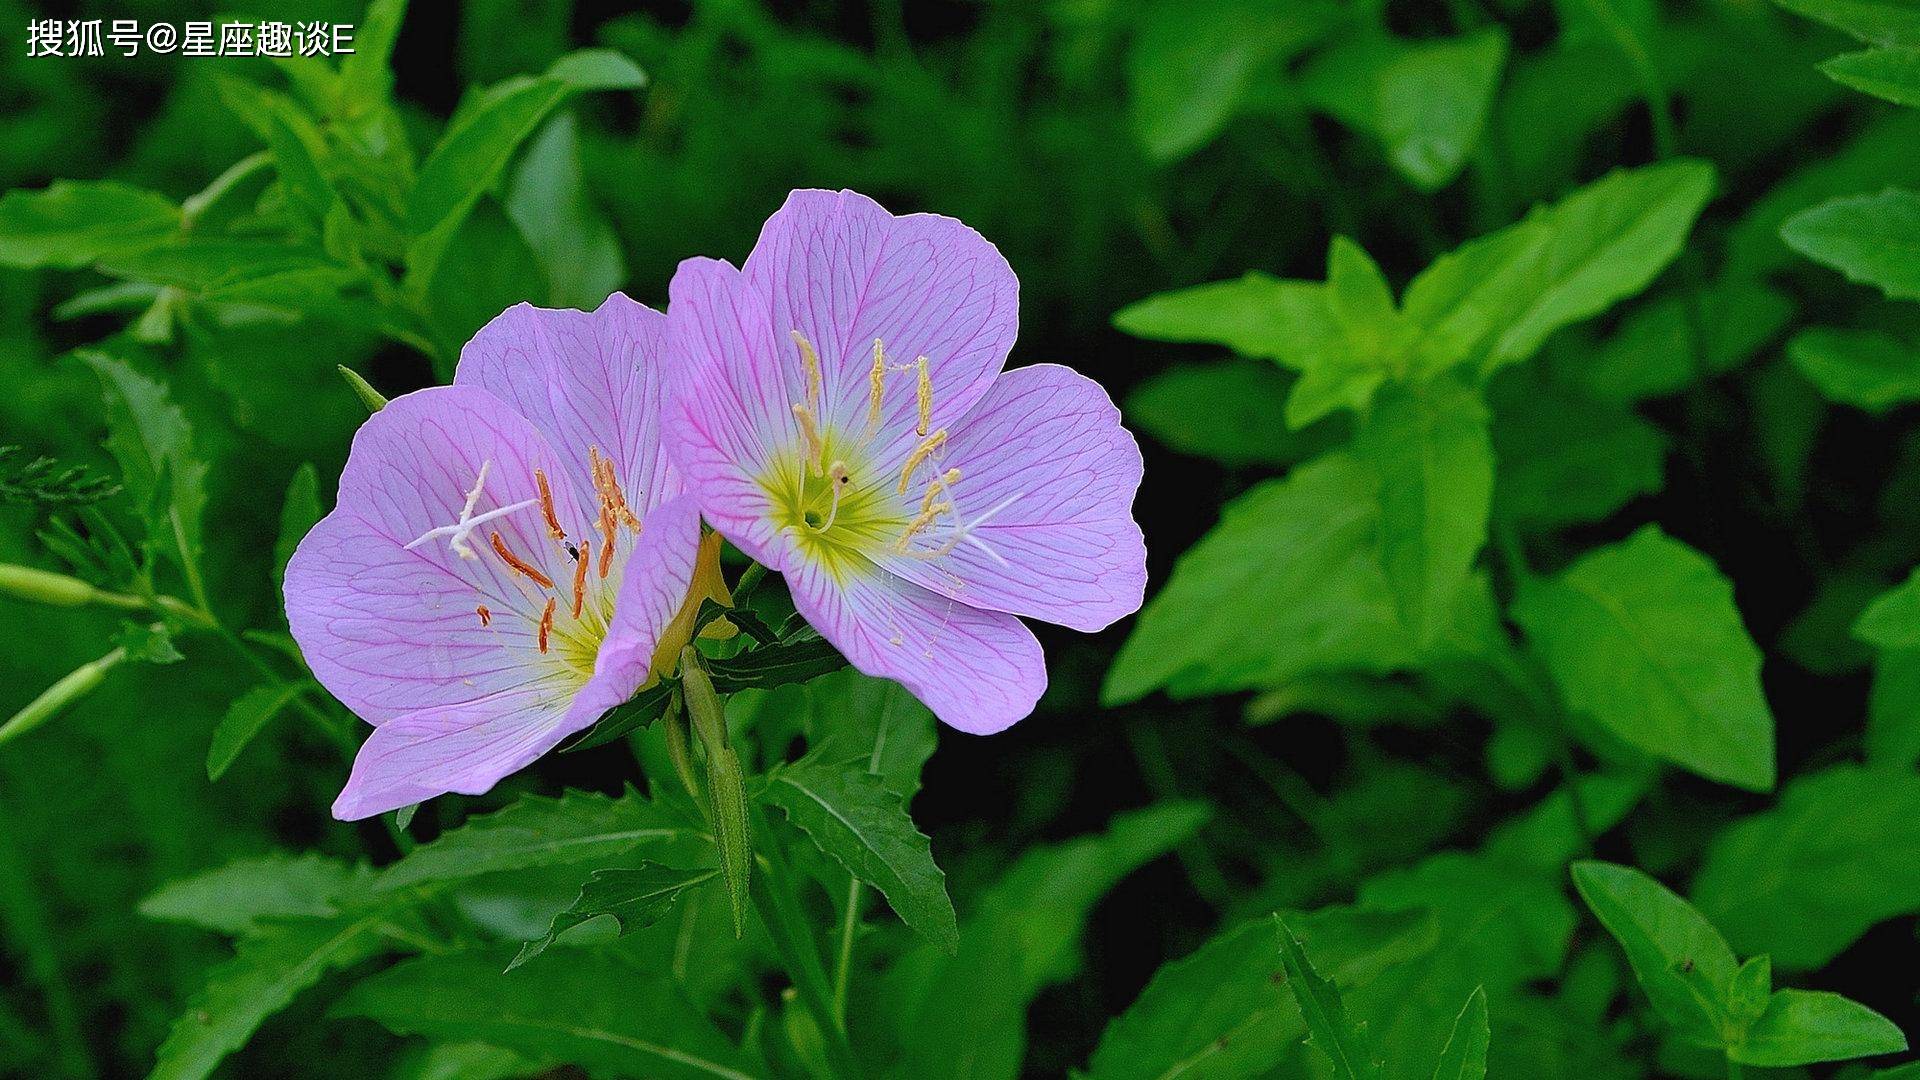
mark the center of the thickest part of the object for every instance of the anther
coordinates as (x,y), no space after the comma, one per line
(920,453)
(876,384)
(923,393)
(531,571)
(837,472)
(937,485)
(580,576)
(926,518)
(486,617)
(811,361)
(546,506)
(546,623)
(810,430)
(607,527)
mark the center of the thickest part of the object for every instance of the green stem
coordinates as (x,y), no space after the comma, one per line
(792,935)
(843,957)
(749,580)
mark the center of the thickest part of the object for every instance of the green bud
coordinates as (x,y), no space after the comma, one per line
(1750,990)
(726,784)
(82,681)
(373,399)
(45,586)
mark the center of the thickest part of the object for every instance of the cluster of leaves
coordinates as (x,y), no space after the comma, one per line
(1464,505)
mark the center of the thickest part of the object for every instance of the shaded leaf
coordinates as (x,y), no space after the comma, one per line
(1872,239)
(249,894)
(634,897)
(73,223)
(577,827)
(244,719)
(1681,961)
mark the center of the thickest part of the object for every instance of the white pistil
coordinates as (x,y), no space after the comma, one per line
(460,530)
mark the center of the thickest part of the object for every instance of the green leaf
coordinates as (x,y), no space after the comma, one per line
(366,81)
(594,1011)
(1867,369)
(535,832)
(1643,636)
(1750,990)
(481,140)
(1425,101)
(1893,710)
(768,666)
(244,719)
(1465,1055)
(1496,299)
(1565,459)
(1343,1040)
(635,897)
(1224,411)
(1429,443)
(863,825)
(266,973)
(1802,1027)
(1681,961)
(1872,239)
(1255,315)
(248,895)
(1665,346)
(1878,22)
(1805,879)
(151,440)
(1879,156)
(1893,74)
(1286,584)
(72,223)
(300,511)
(855,719)
(466,1061)
(294,139)
(1892,621)
(547,199)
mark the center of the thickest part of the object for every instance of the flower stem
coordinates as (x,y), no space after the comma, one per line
(792,936)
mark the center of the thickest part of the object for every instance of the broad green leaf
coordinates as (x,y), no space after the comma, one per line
(266,972)
(1802,1027)
(1893,74)
(863,825)
(594,1011)
(1225,411)
(151,440)
(1465,1055)
(1867,369)
(295,140)
(250,894)
(1288,583)
(1893,710)
(1255,315)
(1191,63)
(1750,990)
(1892,621)
(1496,299)
(1805,879)
(634,897)
(1429,443)
(73,223)
(547,198)
(856,719)
(1425,101)
(1548,834)
(299,513)
(1880,156)
(534,832)
(1342,1039)
(481,140)
(1667,345)
(1872,239)
(1565,459)
(1643,637)
(243,720)
(1878,22)
(1681,961)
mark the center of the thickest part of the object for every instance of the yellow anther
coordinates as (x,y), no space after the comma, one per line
(924,394)
(920,453)
(876,384)
(841,478)
(810,430)
(811,361)
(937,485)
(925,518)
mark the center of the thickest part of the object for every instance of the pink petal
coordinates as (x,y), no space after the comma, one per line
(585,380)
(1046,448)
(390,631)
(979,671)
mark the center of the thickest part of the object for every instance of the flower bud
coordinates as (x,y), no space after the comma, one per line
(373,399)
(45,586)
(82,681)
(726,784)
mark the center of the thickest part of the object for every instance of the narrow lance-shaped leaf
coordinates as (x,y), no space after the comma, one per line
(578,827)
(635,897)
(1465,1055)
(72,224)
(1893,74)
(1343,1040)
(245,718)
(249,894)
(151,440)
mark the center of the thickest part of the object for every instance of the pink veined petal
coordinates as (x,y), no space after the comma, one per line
(471,746)
(841,270)
(979,671)
(1043,454)
(585,379)
(391,631)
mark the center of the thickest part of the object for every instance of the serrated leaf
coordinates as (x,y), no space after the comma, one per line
(73,223)
(267,972)
(1803,1027)
(534,832)
(1681,961)
(853,816)
(634,897)
(1644,637)
(151,440)
(244,719)
(594,1011)
(1465,1055)
(1343,1040)
(1872,239)
(1868,369)
(249,894)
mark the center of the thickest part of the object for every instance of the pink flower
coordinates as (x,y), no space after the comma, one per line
(484,586)
(838,408)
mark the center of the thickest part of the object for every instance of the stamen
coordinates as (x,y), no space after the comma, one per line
(531,571)
(876,385)
(920,453)
(924,394)
(546,622)
(810,430)
(811,361)
(838,473)
(925,519)
(936,485)
(546,506)
(607,527)
(608,486)
(486,617)
(580,576)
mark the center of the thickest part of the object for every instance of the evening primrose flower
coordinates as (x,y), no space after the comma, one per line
(509,557)
(838,408)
